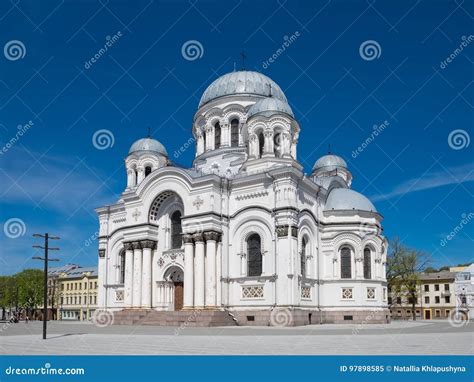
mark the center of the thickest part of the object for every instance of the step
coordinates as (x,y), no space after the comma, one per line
(174,318)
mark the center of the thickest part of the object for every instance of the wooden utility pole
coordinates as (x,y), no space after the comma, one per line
(46,260)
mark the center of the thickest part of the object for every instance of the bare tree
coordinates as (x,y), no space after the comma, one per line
(404,266)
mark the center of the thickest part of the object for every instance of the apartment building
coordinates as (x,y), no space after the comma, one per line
(435,299)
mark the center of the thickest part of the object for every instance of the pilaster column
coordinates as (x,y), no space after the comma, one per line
(253,146)
(148,246)
(225,134)
(188,271)
(285,145)
(200,143)
(128,287)
(211,285)
(141,175)
(209,138)
(199,270)
(130,178)
(102,264)
(358,265)
(268,144)
(137,274)
(219,271)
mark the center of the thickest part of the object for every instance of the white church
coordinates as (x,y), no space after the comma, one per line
(243,236)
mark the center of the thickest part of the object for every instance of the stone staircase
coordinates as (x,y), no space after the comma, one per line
(182,318)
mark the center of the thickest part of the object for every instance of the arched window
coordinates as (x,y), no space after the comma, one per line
(136,177)
(277,145)
(346,271)
(303,256)
(261,144)
(254,253)
(367,264)
(122,267)
(147,170)
(204,139)
(176,239)
(234,132)
(217,135)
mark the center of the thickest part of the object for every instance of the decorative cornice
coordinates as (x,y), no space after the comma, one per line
(252,195)
(128,246)
(187,238)
(198,237)
(151,244)
(136,245)
(211,236)
(282,231)
(271,278)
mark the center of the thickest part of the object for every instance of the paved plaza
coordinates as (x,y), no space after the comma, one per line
(85,338)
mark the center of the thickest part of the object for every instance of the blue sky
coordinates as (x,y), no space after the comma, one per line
(53,176)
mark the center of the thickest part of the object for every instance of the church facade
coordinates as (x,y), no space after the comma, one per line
(243,230)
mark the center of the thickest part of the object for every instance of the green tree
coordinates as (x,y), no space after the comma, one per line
(403,268)
(30,288)
(8,293)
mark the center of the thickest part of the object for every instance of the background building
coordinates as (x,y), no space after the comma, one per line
(464,290)
(436,297)
(73,292)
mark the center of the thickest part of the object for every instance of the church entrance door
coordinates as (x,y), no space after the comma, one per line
(175,280)
(178,295)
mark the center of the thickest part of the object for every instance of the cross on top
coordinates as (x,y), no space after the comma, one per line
(242,54)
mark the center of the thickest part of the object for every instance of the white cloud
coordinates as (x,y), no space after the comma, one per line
(62,184)
(435,179)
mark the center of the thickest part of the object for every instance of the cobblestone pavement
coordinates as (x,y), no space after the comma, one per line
(85,338)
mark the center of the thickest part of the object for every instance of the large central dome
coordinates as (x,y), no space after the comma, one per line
(241,83)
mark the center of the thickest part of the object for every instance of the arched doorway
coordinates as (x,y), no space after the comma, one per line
(175,276)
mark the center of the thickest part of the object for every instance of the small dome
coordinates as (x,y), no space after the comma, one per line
(269,106)
(242,82)
(329,162)
(148,144)
(347,199)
